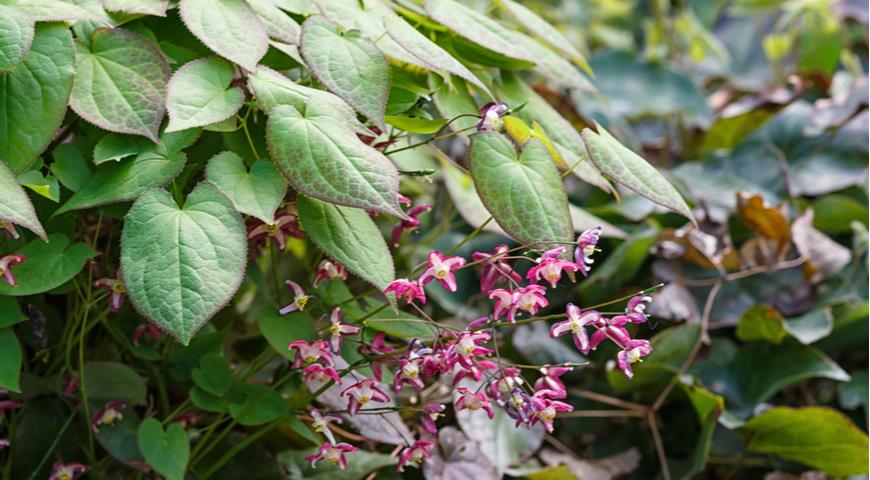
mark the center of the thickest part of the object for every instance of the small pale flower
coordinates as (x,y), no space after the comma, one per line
(310,352)
(329,270)
(636,308)
(415,454)
(67,471)
(544,409)
(411,223)
(633,352)
(6,263)
(320,423)
(362,393)
(332,453)
(490,116)
(108,415)
(318,373)
(466,347)
(473,401)
(409,372)
(116,288)
(531,298)
(586,243)
(576,326)
(4,443)
(300,299)
(550,267)
(407,289)
(441,269)
(337,329)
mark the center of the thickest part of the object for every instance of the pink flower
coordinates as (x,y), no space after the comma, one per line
(576,325)
(528,299)
(466,346)
(329,270)
(473,401)
(612,328)
(108,415)
(378,347)
(551,380)
(474,371)
(490,116)
(318,373)
(337,329)
(586,243)
(431,413)
(117,289)
(635,310)
(310,352)
(285,225)
(409,372)
(415,454)
(505,303)
(332,453)
(67,471)
(145,329)
(362,393)
(532,298)
(320,423)
(6,263)
(407,289)
(4,443)
(509,378)
(495,265)
(299,298)
(632,353)
(410,224)
(550,267)
(544,409)
(441,268)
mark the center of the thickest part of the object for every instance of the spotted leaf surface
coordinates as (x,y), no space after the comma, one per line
(182,264)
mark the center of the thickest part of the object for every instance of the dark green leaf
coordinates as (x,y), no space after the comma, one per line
(166,452)
(48,265)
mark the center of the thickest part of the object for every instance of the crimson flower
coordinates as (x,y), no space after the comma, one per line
(318,373)
(285,225)
(332,453)
(473,401)
(67,471)
(490,116)
(411,223)
(300,299)
(108,415)
(362,393)
(431,413)
(407,289)
(337,329)
(466,346)
(544,409)
(441,269)
(585,248)
(550,267)
(633,351)
(117,289)
(636,308)
(6,263)
(495,266)
(320,423)
(415,454)
(310,352)
(576,325)
(329,270)
(550,380)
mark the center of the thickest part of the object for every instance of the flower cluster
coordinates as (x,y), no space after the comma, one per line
(462,358)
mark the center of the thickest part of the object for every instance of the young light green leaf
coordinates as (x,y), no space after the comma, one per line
(524,193)
(626,167)
(44,185)
(272,89)
(199,94)
(257,192)
(229,27)
(69,166)
(566,138)
(48,265)
(477,27)
(16,35)
(144,7)
(426,126)
(552,65)
(15,206)
(433,57)
(115,147)
(543,29)
(166,452)
(126,180)
(819,437)
(40,87)
(322,159)
(10,361)
(182,264)
(120,83)
(52,10)
(278,24)
(349,236)
(349,65)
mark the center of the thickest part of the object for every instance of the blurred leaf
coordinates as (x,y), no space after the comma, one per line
(10,312)
(359,464)
(166,452)
(607,468)
(45,185)
(279,330)
(545,30)
(112,381)
(819,437)
(825,257)
(403,326)
(811,326)
(834,213)
(208,402)
(854,393)
(10,360)
(213,375)
(48,265)
(671,347)
(252,404)
(709,407)
(458,457)
(761,322)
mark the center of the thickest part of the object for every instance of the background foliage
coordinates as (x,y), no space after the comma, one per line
(153,138)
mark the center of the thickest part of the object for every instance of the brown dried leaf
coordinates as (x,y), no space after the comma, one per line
(825,257)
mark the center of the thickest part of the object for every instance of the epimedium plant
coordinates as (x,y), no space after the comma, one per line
(219,236)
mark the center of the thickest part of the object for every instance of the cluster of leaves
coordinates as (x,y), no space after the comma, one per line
(166,166)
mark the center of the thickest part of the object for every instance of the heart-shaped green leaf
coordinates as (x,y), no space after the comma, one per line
(182,264)
(10,360)
(626,167)
(278,24)
(40,87)
(213,375)
(349,236)
(113,381)
(349,65)
(16,35)
(229,27)
(199,94)
(257,192)
(120,82)
(16,207)
(323,159)
(253,404)
(523,193)
(48,265)
(166,452)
